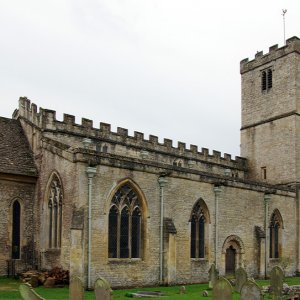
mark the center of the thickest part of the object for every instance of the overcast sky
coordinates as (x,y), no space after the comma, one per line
(164,67)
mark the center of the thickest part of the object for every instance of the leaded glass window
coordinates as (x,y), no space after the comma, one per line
(198,228)
(55,200)
(275,234)
(124,226)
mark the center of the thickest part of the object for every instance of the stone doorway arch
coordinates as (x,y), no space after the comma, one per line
(232,254)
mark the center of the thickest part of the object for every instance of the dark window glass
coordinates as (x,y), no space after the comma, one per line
(263,81)
(275,227)
(54,220)
(124,251)
(136,233)
(270,83)
(201,237)
(266,80)
(125,235)
(113,233)
(276,241)
(16,230)
(198,231)
(193,238)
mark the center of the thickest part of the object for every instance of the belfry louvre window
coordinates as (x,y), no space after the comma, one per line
(198,229)
(266,80)
(55,201)
(275,234)
(125,224)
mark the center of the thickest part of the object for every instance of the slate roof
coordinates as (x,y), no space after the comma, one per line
(169,226)
(16,156)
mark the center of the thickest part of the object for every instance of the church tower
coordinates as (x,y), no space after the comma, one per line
(270,133)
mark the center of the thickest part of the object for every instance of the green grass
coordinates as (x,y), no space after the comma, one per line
(9,290)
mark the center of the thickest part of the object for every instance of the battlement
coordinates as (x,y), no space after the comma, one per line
(45,119)
(292,45)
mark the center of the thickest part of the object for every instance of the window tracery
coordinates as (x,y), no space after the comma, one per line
(198,229)
(275,234)
(55,201)
(125,218)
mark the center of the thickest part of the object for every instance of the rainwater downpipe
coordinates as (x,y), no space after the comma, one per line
(267,198)
(91,171)
(162,183)
(217,191)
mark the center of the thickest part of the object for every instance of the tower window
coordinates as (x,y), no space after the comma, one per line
(266,80)
(264,173)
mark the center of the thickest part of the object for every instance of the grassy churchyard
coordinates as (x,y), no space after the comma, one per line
(9,290)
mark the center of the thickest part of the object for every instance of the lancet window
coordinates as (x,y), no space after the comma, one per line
(55,201)
(16,229)
(199,221)
(275,234)
(125,224)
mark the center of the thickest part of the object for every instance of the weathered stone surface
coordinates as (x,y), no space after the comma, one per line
(276,281)
(102,293)
(76,291)
(27,293)
(103,283)
(213,276)
(222,290)
(251,291)
(241,278)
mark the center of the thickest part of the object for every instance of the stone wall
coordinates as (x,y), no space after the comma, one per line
(270,118)
(13,189)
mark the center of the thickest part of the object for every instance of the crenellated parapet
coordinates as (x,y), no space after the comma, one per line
(292,45)
(45,119)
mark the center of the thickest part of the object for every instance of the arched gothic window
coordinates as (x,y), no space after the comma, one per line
(124,226)
(276,226)
(55,201)
(16,229)
(199,221)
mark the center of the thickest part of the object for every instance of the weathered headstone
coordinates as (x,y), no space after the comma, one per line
(76,291)
(102,293)
(213,276)
(100,284)
(251,291)
(182,290)
(276,282)
(27,293)
(222,290)
(241,278)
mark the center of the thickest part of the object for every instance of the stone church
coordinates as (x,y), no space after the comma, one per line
(140,212)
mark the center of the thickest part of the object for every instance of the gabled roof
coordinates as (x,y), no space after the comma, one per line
(16,156)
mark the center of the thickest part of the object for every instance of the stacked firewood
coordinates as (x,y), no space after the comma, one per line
(56,276)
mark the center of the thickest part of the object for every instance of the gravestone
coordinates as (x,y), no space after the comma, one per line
(213,276)
(251,291)
(103,284)
(241,278)
(276,282)
(222,290)
(76,291)
(182,290)
(102,293)
(27,293)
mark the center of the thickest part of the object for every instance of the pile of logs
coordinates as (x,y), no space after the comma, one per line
(54,277)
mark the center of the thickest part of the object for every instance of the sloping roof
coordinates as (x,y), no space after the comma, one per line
(169,226)
(16,156)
